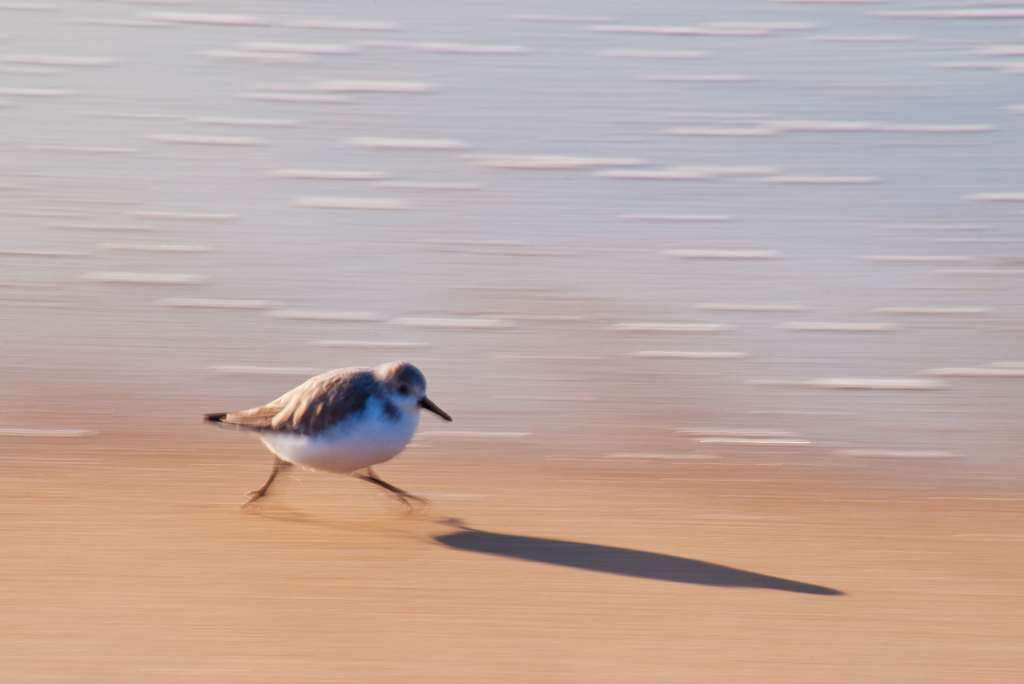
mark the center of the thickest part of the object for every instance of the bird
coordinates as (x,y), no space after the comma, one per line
(342,421)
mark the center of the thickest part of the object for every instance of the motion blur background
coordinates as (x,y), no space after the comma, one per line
(612,234)
(790,220)
(603,226)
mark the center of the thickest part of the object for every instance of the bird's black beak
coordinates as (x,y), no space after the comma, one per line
(431,406)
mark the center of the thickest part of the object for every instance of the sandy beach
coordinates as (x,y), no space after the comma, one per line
(526,567)
(726,300)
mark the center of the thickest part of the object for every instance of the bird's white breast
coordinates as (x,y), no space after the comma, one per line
(372,436)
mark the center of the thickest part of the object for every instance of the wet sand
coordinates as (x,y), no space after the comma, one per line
(528,566)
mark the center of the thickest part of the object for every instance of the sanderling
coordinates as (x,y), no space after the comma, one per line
(341,421)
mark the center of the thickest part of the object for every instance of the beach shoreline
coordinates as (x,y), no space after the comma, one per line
(142,567)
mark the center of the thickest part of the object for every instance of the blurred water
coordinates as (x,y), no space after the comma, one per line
(620,227)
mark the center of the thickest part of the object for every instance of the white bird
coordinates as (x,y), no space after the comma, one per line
(342,421)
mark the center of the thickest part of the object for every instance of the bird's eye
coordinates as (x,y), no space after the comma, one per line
(404,389)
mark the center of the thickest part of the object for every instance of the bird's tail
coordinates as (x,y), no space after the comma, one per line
(215,417)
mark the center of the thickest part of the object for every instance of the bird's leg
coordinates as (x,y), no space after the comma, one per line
(403,495)
(256,494)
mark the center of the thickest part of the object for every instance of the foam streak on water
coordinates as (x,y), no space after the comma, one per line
(916,258)
(934,311)
(335,25)
(323,174)
(725,306)
(982,372)
(453,323)
(654,54)
(821,180)
(357,86)
(181,216)
(687,172)
(234,140)
(141,247)
(980,13)
(35,92)
(214,19)
(467,49)
(722,132)
(745,254)
(670,327)
(186,303)
(128,278)
(563,18)
(547,161)
(837,327)
(306,315)
(876,383)
(680,30)
(301,48)
(297,98)
(678,218)
(236,121)
(365,203)
(57,60)
(690,354)
(408,143)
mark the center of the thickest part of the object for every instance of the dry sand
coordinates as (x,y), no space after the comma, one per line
(140,567)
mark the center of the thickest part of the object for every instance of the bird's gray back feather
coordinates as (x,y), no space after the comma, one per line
(314,406)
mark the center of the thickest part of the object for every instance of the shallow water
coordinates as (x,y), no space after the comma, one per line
(601,226)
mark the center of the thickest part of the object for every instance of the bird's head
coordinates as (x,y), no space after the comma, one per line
(407,386)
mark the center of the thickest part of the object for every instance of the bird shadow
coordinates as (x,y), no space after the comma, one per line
(613,560)
(619,561)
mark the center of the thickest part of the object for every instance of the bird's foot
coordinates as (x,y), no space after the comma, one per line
(409,508)
(252,497)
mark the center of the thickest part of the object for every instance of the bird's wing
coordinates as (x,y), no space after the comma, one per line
(311,407)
